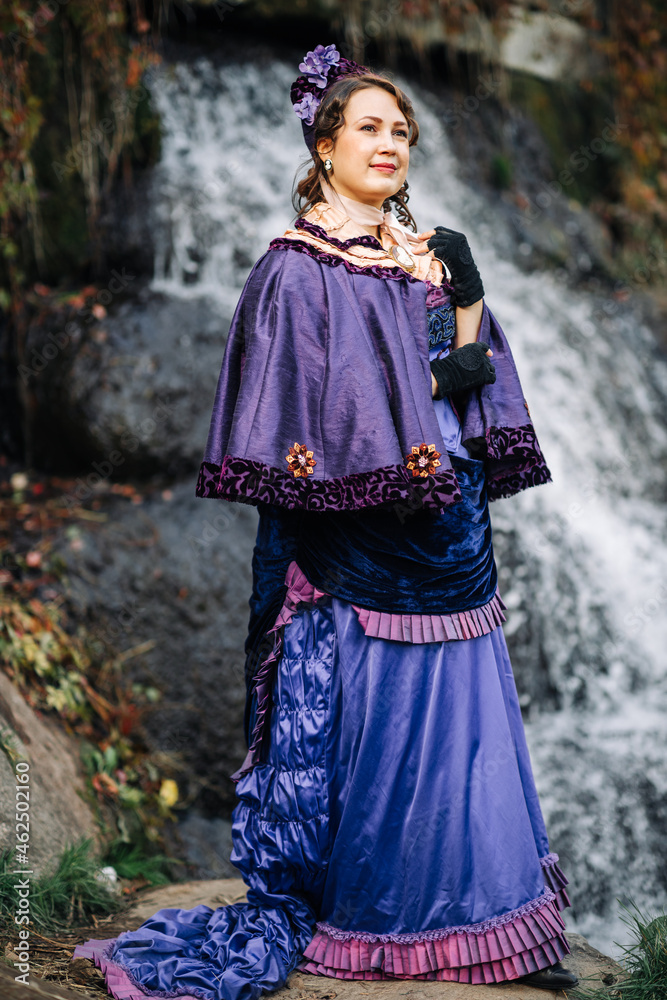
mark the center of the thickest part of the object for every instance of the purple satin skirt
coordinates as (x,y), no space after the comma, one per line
(392,829)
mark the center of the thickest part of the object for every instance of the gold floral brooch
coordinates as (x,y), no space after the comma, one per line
(423,459)
(300,461)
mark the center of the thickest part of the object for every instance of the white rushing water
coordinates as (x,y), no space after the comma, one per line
(583,560)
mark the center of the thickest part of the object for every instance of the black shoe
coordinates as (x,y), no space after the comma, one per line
(555,977)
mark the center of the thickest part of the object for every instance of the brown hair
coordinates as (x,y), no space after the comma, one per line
(329,118)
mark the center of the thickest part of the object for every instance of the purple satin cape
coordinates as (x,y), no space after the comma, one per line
(337,359)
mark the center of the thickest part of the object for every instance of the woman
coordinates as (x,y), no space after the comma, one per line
(388,823)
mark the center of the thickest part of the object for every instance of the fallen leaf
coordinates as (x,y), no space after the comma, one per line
(169,792)
(105,785)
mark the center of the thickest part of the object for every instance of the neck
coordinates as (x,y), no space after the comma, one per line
(367,216)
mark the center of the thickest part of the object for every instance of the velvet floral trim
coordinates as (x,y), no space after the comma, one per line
(247,481)
(514,461)
(508,484)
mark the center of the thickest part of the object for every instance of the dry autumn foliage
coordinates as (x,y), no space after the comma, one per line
(62,671)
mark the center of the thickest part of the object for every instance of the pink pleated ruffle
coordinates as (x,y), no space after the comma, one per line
(531,941)
(555,879)
(433,628)
(496,950)
(119,984)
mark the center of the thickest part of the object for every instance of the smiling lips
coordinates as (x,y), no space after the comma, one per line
(387,168)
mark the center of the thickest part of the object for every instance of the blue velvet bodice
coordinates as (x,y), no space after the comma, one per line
(406,560)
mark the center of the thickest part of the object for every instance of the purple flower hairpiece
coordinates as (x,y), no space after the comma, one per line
(319,69)
(317,63)
(307,107)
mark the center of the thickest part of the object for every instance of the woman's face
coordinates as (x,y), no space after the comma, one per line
(373,139)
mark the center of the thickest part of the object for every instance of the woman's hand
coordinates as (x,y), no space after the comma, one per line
(467,318)
(435,391)
(423,247)
(465,368)
(453,250)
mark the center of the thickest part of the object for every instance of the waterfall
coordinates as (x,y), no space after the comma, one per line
(582,561)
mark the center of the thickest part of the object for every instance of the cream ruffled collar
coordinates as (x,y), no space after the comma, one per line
(346,218)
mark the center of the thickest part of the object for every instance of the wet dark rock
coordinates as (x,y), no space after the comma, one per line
(124,229)
(176,573)
(206,842)
(504,151)
(129,394)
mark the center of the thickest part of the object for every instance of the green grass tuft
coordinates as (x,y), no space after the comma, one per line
(67,896)
(644,961)
(132,862)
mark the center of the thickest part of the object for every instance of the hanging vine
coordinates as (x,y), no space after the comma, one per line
(636,48)
(87,56)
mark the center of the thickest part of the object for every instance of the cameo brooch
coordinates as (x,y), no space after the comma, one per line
(402,257)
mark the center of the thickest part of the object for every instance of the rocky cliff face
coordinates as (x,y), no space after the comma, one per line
(173,572)
(57,810)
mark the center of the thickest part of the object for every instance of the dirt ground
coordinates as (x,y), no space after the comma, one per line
(56,977)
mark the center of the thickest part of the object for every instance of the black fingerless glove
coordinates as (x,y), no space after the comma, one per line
(464,368)
(453,250)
